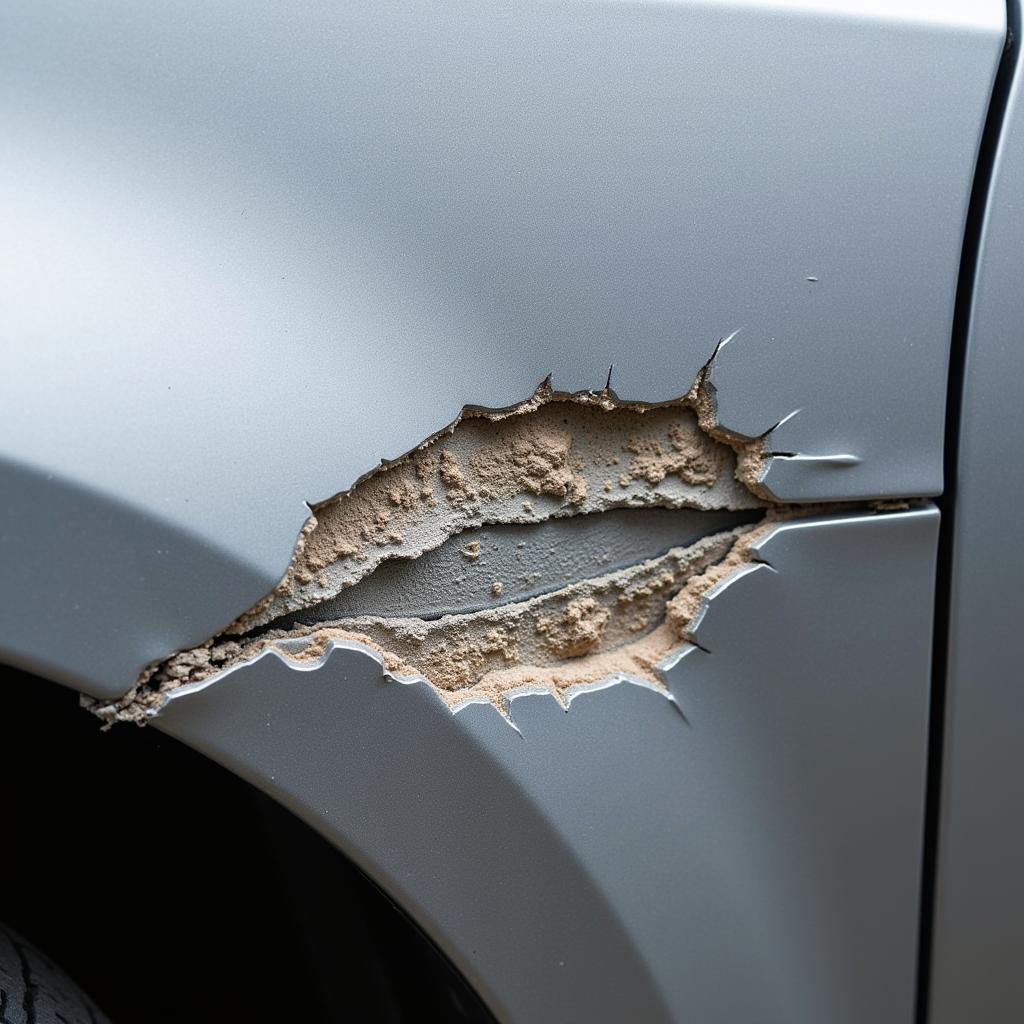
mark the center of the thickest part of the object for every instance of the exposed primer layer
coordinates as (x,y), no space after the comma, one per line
(622,624)
(517,561)
(555,455)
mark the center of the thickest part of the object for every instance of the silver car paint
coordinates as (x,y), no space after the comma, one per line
(249,252)
(979,899)
(630,858)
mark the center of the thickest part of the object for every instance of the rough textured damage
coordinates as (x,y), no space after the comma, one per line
(555,456)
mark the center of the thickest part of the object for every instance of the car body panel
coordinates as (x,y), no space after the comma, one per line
(715,854)
(251,252)
(979,895)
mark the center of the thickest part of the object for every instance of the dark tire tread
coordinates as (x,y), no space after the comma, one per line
(33,990)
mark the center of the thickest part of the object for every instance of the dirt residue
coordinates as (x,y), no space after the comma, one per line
(688,456)
(578,630)
(535,458)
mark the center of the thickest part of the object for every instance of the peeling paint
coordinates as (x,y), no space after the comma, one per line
(551,456)
(607,625)
(554,456)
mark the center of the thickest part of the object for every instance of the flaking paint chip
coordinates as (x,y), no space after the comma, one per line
(544,459)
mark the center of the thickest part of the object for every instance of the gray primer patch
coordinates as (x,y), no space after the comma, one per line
(517,561)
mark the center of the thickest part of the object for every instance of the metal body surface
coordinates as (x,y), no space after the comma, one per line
(979,892)
(249,253)
(718,857)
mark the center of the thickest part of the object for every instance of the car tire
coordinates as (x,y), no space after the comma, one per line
(33,990)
